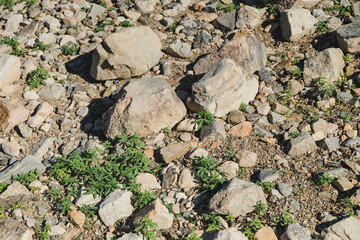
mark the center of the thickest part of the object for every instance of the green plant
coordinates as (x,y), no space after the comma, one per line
(69,51)
(287,97)
(27,178)
(203,118)
(324,180)
(284,219)
(193,236)
(294,134)
(326,89)
(3,186)
(53,193)
(230,218)
(18,205)
(173,27)
(29,3)
(322,27)
(142,199)
(297,73)
(252,227)
(295,61)
(228,7)
(347,58)
(348,203)
(43,234)
(281,55)
(169,207)
(147,228)
(89,210)
(272,10)
(39,46)
(242,107)
(343,10)
(126,24)
(37,77)
(107,144)
(260,208)
(7,3)
(166,130)
(1,213)
(14,44)
(103,23)
(231,153)
(64,205)
(212,221)
(267,186)
(207,172)
(34,189)
(346,118)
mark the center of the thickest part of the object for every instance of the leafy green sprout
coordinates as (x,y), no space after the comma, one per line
(43,233)
(347,58)
(260,208)
(230,218)
(193,236)
(147,228)
(18,205)
(242,107)
(272,10)
(254,225)
(1,213)
(325,180)
(14,44)
(281,55)
(29,3)
(297,74)
(3,186)
(322,27)
(7,3)
(267,186)
(348,203)
(53,193)
(228,7)
(346,118)
(212,221)
(284,219)
(294,134)
(69,51)
(27,178)
(204,117)
(126,24)
(89,210)
(39,46)
(326,89)
(173,27)
(37,77)
(295,61)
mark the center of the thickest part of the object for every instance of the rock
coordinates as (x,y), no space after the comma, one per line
(237,198)
(295,86)
(247,159)
(223,88)
(247,51)
(274,117)
(13,194)
(13,23)
(348,36)
(229,234)
(57,230)
(355,198)
(174,151)
(27,164)
(215,131)
(145,6)
(323,126)
(131,236)
(285,189)
(148,182)
(226,22)
(265,233)
(248,17)
(53,91)
(158,213)
(29,30)
(335,173)
(42,147)
(77,217)
(296,232)
(346,229)
(301,145)
(342,184)
(153,108)
(235,117)
(116,206)
(230,168)
(287,4)
(179,49)
(127,53)
(198,153)
(86,199)
(353,166)
(9,70)
(356,9)
(263,109)
(331,144)
(243,129)
(296,23)
(12,113)
(268,175)
(187,125)
(35,121)
(186,180)
(11,148)
(25,131)
(328,64)
(11,229)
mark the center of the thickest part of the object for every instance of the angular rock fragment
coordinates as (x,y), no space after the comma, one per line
(348,36)
(15,193)
(249,17)
(11,114)
(144,106)
(301,145)
(9,70)
(296,232)
(346,229)
(11,229)
(215,131)
(229,234)
(225,22)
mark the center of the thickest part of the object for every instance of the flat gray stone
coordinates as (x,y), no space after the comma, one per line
(301,145)
(13,194)
(348,36)
(346,229)
(13,230)
(332,144)
(215,131)
(268,175)
(225,22)
(296,232)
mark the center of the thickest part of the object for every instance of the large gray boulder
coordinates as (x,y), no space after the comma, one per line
(328,64)
(223,88)
(246,50)
(348,36)
(143,106)
(15,193)
(346,229)
(9,70)
(11,229)
(237,198)
(296,23)
(127,53)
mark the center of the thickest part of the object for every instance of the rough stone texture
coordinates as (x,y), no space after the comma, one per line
(53,91)
(29,163)
(215,131)
(145,6)
(356,8)
(328,64)
(144,106)
(148,182)
(187,180)
(179,49)
(11,114)
(158,213)
(237,198)
(130,236)
(296,23)
(342,184)
(225,22)
(223,88)
(13,194)
(322,125)
(246,50)
(126,53)
(86,199)
(116,206)
(301,145)
(265,233)
(174,151)
(11,229)
(78,217)
(355,198)
(9,70)
(230,168)
(242,129)
(287,4)
(248,17)
(296,232)
(346,229)
(229,234)
(331,144)
(348,36)
(247,159)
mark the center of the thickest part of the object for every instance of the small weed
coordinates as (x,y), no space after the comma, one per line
(272,10)
(297,74)
(39,46)
(3,186)
(287,97)
(326,89)
(284,219)
(322,27)
(254,225)
(34,189)
(230,218)
(7,3)
(126,24)
(18,205)
(147,228)
(346,118)
(166,130)
(29,3)
(295,61)
(324,180)
(260,208)
(350,205)
(294,134)
(267,186)
(37,77)
(193,236)
(64,205)
(242,107)
(76,27)
(347,58)
(69,51)
(343,11)
(142,199)
(27,178)
(14,44)
(43,234)
(173,27)
(228,7)
(1,213)
(53,193)
(203,118)
(281,55)
(107,144)
(212,221)
(169,207)
(89,210)
(231,154)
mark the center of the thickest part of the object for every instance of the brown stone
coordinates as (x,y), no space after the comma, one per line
(11,114)
(78,217)
(174,151)
(265,233)
(243,129)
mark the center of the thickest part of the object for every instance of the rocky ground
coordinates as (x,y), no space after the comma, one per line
(164,119)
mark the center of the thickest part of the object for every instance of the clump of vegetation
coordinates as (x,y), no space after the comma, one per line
(228,7)
(242,107)
(37,77)
(69,51)
(204,117)
(212,221)
(147,228)
(297,73)
(348,203)
(340,8)
(102,24)
(324,180)
(273,10)
(284,219)
(39,46)
(126,24)
(322,27)
(267,186)
(347,58)
(173,27)
(3,186)
(43,234)
(14,44)
(252,227)
(326,89)
(27,178)
(7,3)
